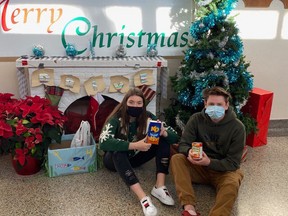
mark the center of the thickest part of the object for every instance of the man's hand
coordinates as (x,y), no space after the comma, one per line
(205,161)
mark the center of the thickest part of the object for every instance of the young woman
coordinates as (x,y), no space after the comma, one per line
(123,139)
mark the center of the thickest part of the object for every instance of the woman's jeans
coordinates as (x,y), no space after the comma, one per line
(119,161)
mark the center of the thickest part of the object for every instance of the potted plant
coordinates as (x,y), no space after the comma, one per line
(27,127)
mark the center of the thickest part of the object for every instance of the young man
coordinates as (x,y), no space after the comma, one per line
(223,137)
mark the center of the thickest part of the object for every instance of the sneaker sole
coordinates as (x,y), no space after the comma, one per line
(161,200)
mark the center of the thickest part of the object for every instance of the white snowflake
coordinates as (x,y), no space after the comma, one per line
(106,133)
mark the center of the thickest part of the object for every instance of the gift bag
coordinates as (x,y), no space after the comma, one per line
(82,136)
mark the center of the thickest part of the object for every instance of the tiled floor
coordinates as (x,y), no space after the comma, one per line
(264,191)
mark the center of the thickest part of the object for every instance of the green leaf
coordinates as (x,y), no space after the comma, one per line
(25,121)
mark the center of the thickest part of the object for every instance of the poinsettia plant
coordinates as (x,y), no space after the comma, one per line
(28,126)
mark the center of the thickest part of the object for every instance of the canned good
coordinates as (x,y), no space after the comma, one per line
(197,150)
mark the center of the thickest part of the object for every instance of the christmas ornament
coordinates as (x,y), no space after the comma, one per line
(38,51)
(120,52)
(71,50)
(151,50)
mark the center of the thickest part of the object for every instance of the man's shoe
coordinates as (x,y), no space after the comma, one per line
(187,213)
(163,195)
(147,206)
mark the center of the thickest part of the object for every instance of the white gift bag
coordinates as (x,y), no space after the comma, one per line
(82,136)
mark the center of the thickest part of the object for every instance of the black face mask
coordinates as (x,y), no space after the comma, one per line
(134,111)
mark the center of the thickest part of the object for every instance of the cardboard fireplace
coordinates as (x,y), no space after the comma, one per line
(91,82)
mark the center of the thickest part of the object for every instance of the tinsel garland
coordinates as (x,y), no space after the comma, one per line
(200,82)
(229,52)
(209,18)
(213,58)
(225,56)
(231,55)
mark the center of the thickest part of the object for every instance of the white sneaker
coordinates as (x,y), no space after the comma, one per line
(163,195)
(148,208)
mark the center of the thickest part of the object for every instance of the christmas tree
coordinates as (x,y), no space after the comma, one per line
(214,58)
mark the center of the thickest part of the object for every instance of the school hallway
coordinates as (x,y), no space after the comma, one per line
(264,190)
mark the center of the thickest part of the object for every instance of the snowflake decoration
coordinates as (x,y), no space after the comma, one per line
(106,133)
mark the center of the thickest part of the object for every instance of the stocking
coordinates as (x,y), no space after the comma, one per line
(149,93)
(53,94)
(93,108)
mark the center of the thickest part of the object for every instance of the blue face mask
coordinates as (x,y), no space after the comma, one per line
(215,112)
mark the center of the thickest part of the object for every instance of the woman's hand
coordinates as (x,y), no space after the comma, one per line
(140,145)
(163,132)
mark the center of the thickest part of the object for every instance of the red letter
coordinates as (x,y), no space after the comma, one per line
(4,26)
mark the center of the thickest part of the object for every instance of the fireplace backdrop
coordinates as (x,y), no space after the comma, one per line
(107,78)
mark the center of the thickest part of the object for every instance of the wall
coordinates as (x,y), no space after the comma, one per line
(8,77)
(267,59)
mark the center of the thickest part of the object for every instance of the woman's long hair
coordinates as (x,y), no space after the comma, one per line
(120,111)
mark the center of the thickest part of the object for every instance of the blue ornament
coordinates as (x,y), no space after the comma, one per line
(151,50)
(38,51)
(71,50)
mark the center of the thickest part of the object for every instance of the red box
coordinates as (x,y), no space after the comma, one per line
(259,107)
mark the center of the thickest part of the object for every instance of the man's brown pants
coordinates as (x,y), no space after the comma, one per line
(226,184)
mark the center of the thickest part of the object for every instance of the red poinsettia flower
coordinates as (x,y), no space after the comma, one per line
(29,142)
(20,128)
(33,108)
(43,118)
(5,97)
(5,130)
(20,155)
(38,138)
(35,136)
(29,125)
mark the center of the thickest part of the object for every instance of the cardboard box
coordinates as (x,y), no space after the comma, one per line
(63,160)
(259,106)
(153,132)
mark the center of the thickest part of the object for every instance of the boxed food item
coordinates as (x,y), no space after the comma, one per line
(64,160)
(153,132)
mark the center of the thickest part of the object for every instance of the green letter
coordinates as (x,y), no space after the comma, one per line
(110,36)
(185,39)
(78,32)
(156,37)
(140,34)
(95,36)
(122,35)
(174,43)
(130,39)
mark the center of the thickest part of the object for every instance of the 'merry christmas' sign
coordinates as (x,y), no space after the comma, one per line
(102,25)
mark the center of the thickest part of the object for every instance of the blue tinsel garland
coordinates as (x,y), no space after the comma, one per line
(225,55)
(202,25)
